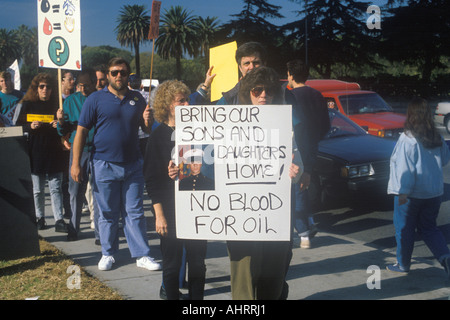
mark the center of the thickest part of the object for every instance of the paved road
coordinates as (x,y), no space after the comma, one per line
(353,239)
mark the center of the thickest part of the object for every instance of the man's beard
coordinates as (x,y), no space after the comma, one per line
(117,87)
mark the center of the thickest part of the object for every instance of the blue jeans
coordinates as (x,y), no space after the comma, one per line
(420,214)
(302,211)
(56,195)
(119,190)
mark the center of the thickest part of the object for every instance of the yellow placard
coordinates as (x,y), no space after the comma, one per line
(225,66)
(47,118)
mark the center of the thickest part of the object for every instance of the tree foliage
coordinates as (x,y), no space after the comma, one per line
(132,29)
(177,36)
(409,55)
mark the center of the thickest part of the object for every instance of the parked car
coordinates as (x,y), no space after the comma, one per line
(349,161)
(366,108)
(442,115)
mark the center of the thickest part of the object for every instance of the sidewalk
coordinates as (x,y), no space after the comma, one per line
(336,268)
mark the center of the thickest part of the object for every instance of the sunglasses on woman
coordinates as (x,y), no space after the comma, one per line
(257,91)
(42,86)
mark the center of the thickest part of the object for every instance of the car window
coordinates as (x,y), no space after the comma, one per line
(364,103)
(342,126)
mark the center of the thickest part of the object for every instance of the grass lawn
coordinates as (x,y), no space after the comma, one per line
(50,276)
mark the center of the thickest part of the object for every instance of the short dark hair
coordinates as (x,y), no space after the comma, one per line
(117,61)
(88,74)
(298,70)
(264,76)
(101,68)
(250,49)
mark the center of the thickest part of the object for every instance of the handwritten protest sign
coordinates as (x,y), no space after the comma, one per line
(59,32)
(243,192)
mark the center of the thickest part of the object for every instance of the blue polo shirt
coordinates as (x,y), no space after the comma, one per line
(116,125)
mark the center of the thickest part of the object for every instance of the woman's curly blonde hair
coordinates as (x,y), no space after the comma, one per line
(164,96)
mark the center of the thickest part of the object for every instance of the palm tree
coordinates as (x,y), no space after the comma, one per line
(134,24)
(177,35)
(29,40)
(206,30)
(10,48)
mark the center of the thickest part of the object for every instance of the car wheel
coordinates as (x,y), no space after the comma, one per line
(447,123)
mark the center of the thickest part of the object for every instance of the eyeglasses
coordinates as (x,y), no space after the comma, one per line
(257,91)
(42,86)
(123,73)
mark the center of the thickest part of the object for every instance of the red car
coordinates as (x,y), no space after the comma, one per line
(366,108)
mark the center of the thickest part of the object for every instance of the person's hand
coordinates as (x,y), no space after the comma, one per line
(402,199)
(75,172)
(54,124)
(293,170)
(60,116)
(161,225)
(35,125)
(148,117)
(305,181)
(173,170)
(209,77)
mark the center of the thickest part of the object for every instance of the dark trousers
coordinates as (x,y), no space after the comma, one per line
(77,193)
(172,254)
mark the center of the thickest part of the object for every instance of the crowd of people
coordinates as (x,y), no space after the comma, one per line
(105,141)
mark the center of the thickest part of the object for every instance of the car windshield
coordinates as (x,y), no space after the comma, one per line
(342,126)
(364,103)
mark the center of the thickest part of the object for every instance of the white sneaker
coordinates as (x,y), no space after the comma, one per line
(148,263)
(305,243)
(106,263)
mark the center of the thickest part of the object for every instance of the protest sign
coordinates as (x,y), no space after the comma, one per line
(222,58)
(59,32)
(47,118)
(243,192)
(153,32)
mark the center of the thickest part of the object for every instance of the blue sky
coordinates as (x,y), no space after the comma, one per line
(98,17)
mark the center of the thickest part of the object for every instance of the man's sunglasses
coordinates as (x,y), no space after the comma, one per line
(123,73)
(42,86)
(257,91)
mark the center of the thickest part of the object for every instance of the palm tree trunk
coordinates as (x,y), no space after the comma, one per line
(178,65)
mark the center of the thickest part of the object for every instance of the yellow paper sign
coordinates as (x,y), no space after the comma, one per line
(225,66)
(40,117)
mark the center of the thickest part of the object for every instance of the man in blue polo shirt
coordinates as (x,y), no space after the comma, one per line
(117,113)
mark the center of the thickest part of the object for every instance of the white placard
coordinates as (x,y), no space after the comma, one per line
(8,132)
(59,31)
(246,153)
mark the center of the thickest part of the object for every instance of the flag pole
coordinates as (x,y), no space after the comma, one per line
(153,34)
(60,89)
(151,68)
